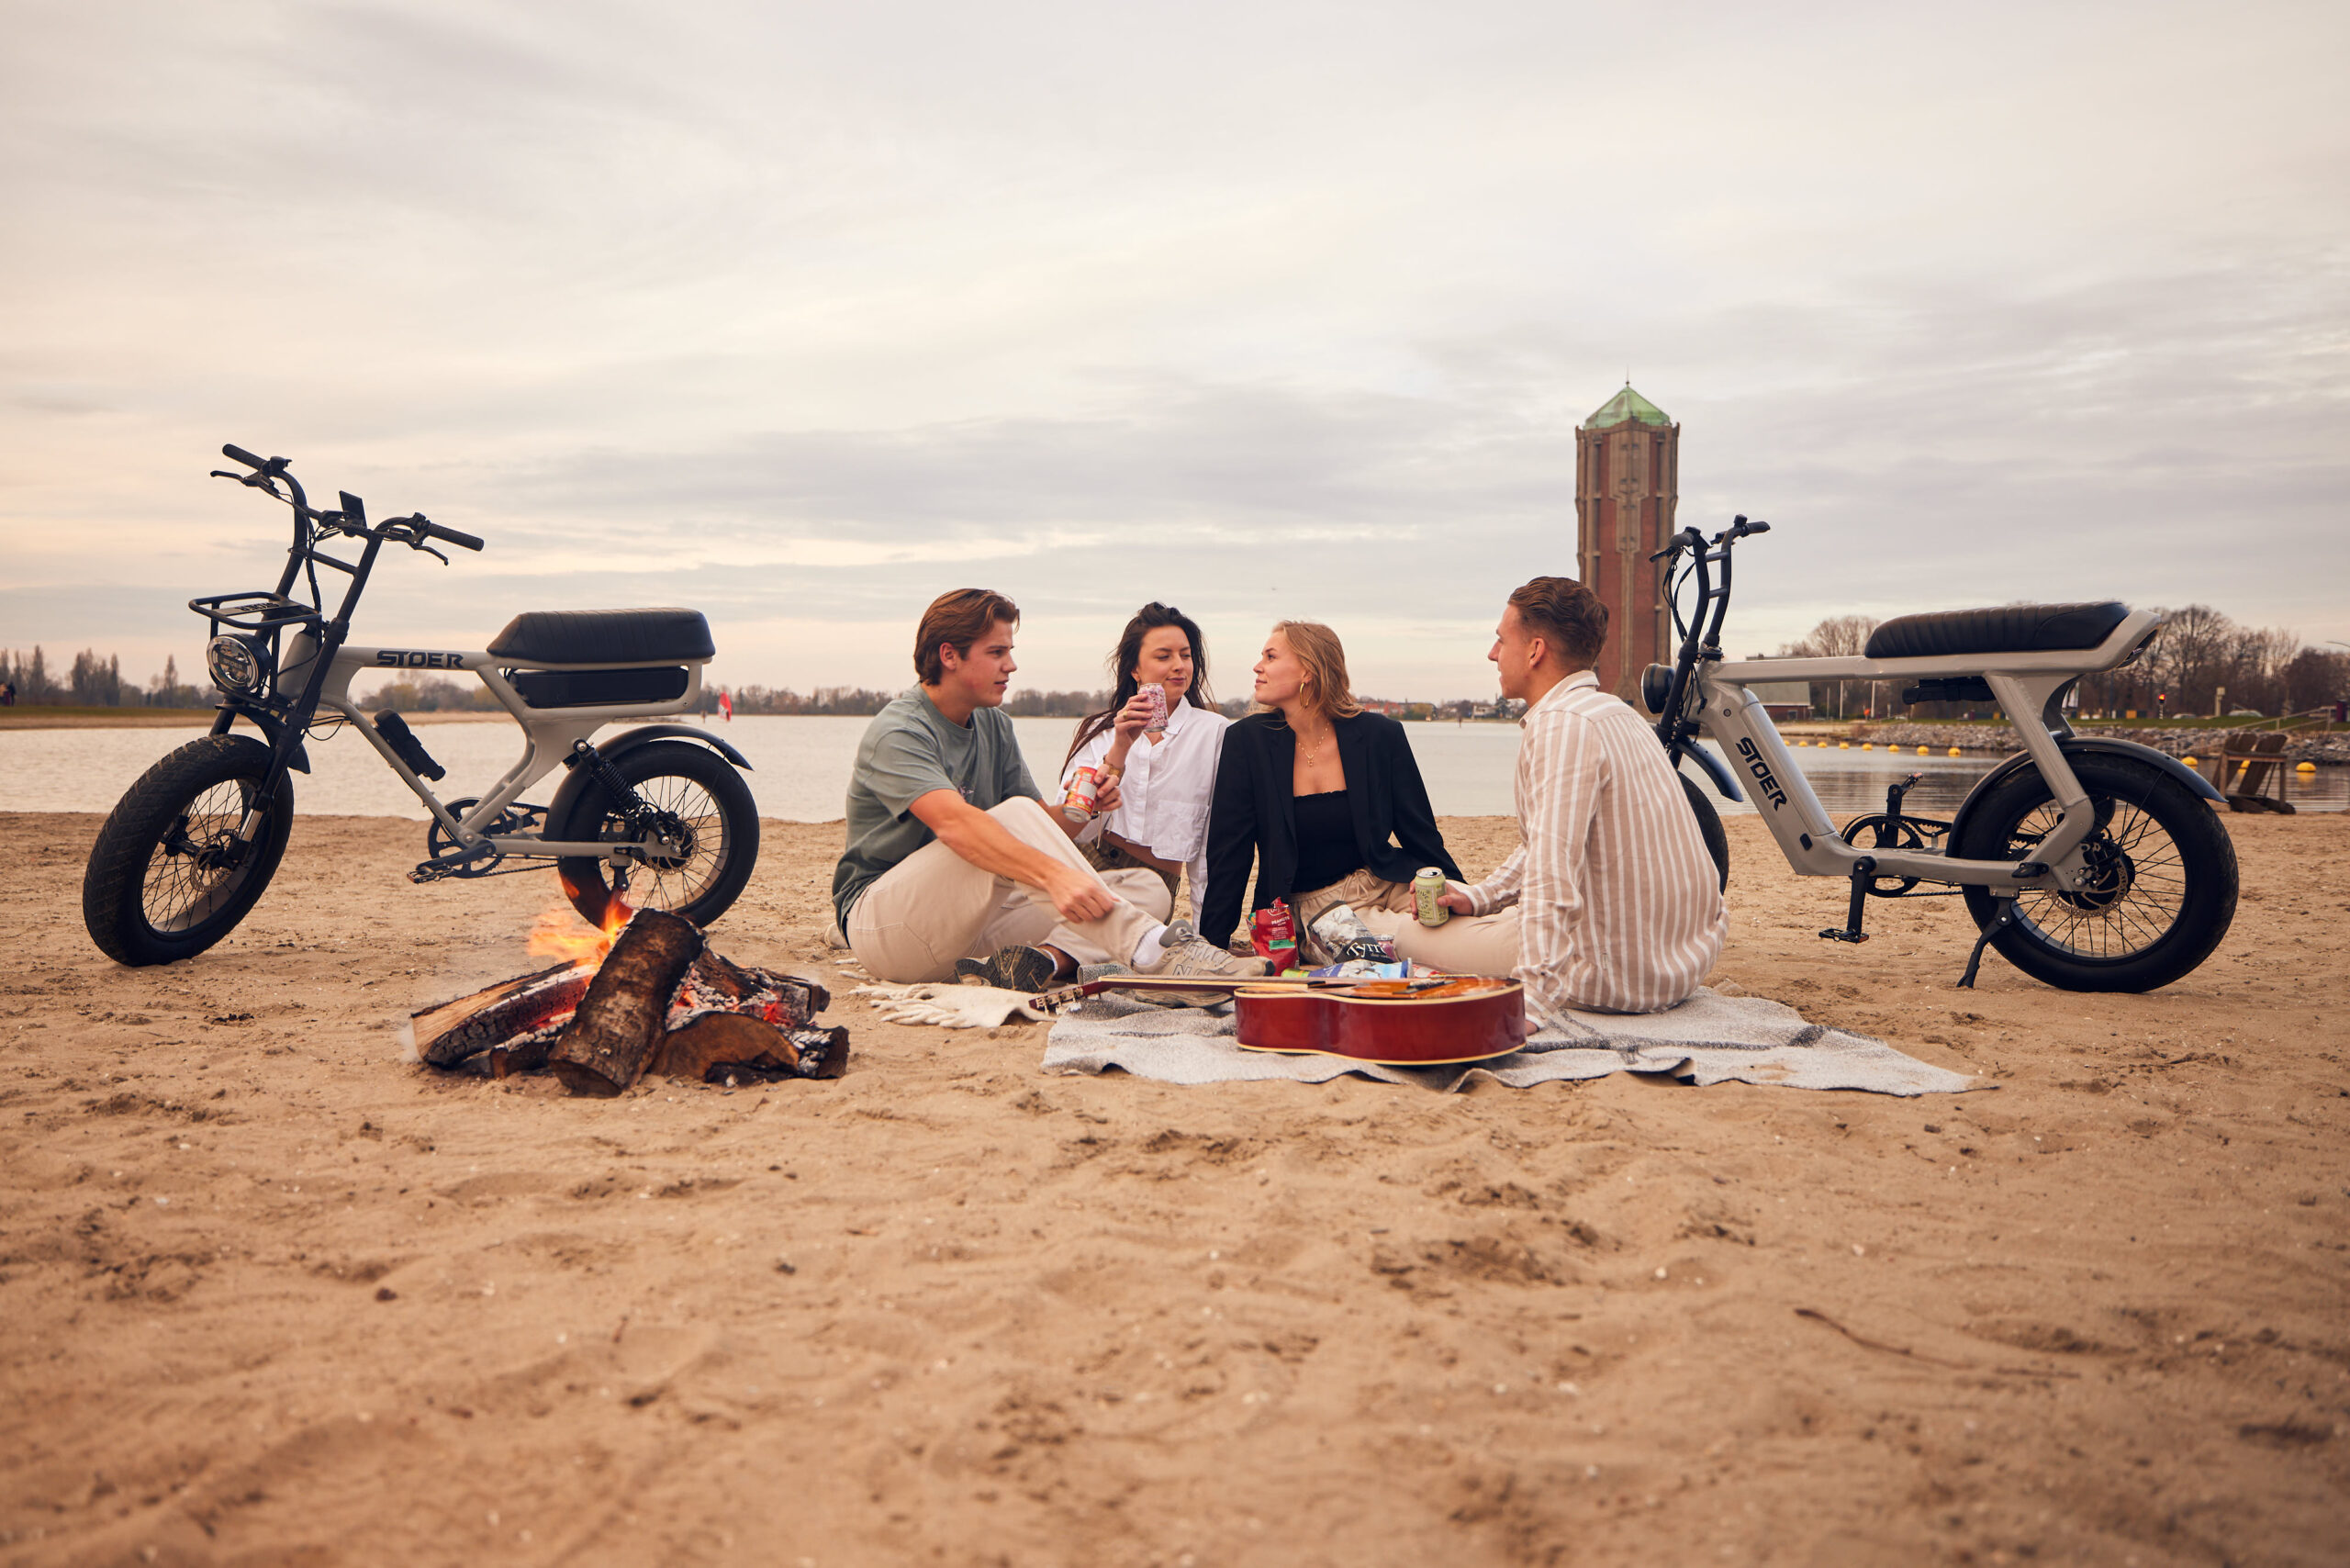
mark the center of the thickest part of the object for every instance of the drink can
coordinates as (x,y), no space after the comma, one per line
(1084,785)
(1156,697)
(1427,890)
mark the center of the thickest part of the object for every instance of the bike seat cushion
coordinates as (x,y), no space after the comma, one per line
(604,636)
(2010,628)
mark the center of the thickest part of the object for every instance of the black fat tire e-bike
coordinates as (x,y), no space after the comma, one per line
(657,817)
(2090,864)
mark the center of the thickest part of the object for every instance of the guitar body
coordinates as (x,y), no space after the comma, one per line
(1387,1022)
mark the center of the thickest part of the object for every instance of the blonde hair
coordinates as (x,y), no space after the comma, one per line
(1327,691)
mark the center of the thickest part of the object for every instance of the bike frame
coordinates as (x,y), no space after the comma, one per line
(548,737)
(1710,696)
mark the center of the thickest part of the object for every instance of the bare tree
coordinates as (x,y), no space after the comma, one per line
(1839,636)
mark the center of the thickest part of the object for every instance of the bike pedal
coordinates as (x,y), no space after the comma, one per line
(1837,933)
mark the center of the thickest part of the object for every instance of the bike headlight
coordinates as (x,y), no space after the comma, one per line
(1656,687)
(236,664)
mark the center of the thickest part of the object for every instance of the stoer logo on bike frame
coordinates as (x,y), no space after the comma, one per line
(415,659)
(1761,771)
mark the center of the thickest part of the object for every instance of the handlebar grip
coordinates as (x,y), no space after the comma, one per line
(236,454)
(449,535)
(1758,527)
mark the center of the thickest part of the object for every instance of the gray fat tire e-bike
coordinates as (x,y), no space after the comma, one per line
(2090,864)
(657,817)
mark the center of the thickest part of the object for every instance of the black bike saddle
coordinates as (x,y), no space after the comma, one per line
(606,637)
(2010,628)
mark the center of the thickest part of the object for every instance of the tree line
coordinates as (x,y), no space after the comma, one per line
(94,682)
(2202,662)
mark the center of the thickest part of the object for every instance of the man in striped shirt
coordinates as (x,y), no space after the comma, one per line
(1616,905)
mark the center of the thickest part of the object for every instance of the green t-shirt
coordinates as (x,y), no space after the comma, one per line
(909,750)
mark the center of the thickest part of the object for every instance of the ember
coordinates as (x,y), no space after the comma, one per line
(644,997)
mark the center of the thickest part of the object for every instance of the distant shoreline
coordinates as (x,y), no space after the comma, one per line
(39,718)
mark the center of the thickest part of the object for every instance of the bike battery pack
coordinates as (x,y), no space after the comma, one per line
(598,688)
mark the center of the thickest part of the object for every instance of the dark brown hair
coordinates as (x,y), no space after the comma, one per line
(1565,614)
(1128,653)
(957,619)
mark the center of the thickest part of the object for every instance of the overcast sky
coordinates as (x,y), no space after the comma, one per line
(803,314)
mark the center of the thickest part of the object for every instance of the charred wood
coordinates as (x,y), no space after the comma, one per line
(448,1033)
(623,1017)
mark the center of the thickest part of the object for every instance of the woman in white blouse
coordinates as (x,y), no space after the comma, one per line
(1164,777)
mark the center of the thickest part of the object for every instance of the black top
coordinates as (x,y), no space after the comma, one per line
(1325,839)
(1254,817)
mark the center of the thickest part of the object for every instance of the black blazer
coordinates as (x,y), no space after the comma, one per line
(1254,816)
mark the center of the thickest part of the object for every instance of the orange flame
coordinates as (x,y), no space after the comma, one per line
(556,933)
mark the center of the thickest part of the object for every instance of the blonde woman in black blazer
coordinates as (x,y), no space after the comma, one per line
(1324,799)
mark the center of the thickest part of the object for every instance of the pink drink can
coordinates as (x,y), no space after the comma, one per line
(1084,785)
(1156,697)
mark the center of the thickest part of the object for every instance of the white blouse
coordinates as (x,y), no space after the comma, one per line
(1165,791)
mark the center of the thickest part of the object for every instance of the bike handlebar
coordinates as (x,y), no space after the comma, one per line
(431,530)
(236,454)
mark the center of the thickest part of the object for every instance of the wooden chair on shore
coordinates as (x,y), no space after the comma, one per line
(2250,771)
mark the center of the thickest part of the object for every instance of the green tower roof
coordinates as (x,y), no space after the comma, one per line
(1626,405)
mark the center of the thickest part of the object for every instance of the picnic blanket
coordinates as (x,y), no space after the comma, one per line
(1710,1038)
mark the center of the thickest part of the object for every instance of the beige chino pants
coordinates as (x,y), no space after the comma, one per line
(1466,944)
(934,907)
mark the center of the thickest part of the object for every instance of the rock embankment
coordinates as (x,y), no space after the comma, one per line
(2309,747)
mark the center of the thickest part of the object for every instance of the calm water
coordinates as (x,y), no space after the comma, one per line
(801,768)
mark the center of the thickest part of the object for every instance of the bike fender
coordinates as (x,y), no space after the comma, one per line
(558,817)
(298,760)
(628,739)
(2078,745)
(1723,782)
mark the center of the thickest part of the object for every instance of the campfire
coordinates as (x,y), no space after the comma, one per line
(642,997)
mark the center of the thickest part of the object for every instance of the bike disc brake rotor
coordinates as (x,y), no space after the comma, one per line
(191,875)
(2112,874)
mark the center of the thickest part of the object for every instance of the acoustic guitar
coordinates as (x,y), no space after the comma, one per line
(1436,1021)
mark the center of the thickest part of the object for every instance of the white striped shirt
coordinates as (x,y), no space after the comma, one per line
(1619,906)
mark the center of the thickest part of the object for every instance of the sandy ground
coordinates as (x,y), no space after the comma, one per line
(273,1297)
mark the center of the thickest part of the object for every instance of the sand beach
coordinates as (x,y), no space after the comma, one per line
(275,1296)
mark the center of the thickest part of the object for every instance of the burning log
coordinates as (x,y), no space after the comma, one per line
(715,984)
(625,1012)
(659,1004)
(512,1014)
(717,1046)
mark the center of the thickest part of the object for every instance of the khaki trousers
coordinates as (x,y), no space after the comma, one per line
(1466,944)
(934,907)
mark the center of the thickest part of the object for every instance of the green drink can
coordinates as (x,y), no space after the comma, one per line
(1428,895)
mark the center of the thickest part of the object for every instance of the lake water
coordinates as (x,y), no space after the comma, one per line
(801,768)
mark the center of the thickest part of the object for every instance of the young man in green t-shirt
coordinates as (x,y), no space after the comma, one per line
(954,864)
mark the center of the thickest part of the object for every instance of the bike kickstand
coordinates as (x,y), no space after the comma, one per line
(1863,871)
(1999,922)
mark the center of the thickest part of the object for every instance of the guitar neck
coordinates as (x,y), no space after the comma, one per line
(1197,984)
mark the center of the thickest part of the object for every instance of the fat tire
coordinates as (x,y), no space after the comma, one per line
(1709,826)
(587,883)
(115,884)
(2207,867)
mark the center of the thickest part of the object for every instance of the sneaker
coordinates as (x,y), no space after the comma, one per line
(1024,970)
(1184,954)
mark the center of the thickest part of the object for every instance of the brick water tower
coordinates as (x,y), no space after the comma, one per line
(1627,470)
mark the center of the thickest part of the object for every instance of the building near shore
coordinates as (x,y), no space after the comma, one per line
(1627,473)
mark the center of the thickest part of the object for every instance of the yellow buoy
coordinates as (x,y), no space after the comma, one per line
(1868,745)
(1954,751)
(2305,767)
(2192,761)
(1844,745)
(1921,751)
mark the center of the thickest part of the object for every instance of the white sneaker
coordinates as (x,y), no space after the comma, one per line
(1183,954)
